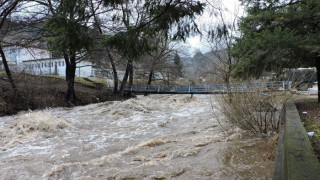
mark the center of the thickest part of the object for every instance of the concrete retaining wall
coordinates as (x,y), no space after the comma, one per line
(294,156)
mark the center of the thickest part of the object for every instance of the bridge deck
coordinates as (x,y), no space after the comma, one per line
(246,87)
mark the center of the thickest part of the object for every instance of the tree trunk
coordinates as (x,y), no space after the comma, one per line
(229,70)
(130,76)
(168,82)
(66,59)
(124,80)
(150,77)
(149,80)
(115,74)
(70,76)
(6,67)
(318,76)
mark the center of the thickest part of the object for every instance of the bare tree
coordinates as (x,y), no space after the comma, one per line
(6,8)
(221,39)
(154,63)
(142,20)
(95,7)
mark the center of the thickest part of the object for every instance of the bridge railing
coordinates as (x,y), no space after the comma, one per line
(214,88)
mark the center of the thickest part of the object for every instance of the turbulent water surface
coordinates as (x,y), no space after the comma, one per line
(152,137)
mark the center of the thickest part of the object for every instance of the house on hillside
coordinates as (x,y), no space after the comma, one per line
(40,61)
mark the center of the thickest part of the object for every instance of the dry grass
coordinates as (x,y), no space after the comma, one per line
(271,148)
(91,82)
(98,80)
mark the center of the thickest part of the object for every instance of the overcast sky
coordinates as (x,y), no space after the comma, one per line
(199,43)
(230,9)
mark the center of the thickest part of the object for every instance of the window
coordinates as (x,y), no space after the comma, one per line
(13,50)
(59,63)
(42,65)
(62,63)
(52,64)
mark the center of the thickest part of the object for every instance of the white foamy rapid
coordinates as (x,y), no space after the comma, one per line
(152,137)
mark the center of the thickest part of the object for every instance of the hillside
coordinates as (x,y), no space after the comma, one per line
(39,92)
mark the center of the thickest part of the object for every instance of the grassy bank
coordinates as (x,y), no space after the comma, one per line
(309,111)
(39,92)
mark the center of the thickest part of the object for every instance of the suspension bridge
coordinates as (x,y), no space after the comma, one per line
(244,87)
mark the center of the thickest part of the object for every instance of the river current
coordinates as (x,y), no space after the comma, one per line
(150,137)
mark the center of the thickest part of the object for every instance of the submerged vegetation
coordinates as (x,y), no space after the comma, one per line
(256,112)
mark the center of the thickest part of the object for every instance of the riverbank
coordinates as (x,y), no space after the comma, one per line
(309,111)
(40,92)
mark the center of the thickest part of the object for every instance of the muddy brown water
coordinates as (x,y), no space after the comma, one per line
(152,137)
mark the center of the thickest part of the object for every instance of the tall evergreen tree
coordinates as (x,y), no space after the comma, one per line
(69,36)
(278,34)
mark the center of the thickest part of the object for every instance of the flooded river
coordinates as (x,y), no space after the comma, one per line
(152,137)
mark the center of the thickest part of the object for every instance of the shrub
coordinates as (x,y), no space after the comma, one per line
(256,112)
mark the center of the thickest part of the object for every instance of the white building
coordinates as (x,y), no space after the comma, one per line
(39,61)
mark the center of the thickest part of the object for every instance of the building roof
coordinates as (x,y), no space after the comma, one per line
(45,59)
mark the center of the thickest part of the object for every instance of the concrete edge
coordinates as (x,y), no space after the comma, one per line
(294,156)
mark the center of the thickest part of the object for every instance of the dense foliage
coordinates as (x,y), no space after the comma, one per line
(144,20)
(69,33)
(278,34)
